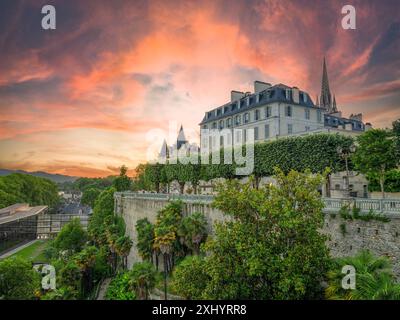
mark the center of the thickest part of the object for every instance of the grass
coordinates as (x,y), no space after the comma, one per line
(34,252)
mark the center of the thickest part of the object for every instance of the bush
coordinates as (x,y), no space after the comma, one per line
(190,278)
(120,288)
(18,280)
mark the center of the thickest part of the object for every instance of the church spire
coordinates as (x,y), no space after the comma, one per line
(317,102)
(326,97)
(334,108)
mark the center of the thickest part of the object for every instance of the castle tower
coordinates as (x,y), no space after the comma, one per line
(181,140)
(164,152)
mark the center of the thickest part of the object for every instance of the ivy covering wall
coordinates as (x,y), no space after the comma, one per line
(314,152)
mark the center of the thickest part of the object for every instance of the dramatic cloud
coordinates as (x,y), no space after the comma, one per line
(81,99)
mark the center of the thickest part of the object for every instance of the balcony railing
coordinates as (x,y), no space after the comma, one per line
(331,204)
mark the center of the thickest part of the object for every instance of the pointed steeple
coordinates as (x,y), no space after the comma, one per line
(181,140)
(164,152)
(334,108)
(317,102)
(326,97)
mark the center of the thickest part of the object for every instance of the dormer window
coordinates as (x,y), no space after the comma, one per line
(288,94)
(218,112)
(251,100)
(226,109)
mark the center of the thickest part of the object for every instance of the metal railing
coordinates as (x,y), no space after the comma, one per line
(331,204)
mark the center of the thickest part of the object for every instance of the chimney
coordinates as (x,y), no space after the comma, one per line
(261,86)
(295,95)
(368,126)
(236,95)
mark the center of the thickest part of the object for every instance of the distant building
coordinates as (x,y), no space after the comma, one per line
(18,224)
(275,111)
(181,145)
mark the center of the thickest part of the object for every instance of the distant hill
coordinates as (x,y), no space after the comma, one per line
(57,178)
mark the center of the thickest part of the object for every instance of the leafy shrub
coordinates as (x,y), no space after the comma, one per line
(120,288)
(190,277)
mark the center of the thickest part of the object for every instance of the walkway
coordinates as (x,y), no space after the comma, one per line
(15,250)
(103,289)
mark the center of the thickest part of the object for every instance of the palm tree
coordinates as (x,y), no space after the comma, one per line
(193,230)
(86,260)
(123,246)
(374,279)
(142,279)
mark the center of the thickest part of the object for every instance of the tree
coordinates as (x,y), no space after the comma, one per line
(145,238)
(374,280)
(18,187)
(396,134)
(375,154)
(122,182)
(18,280)
(103,208)
(165,232)
(71,238)
(193,231)
(86,260)
(189,278)
(270,247)
(89,196)
(142,279)
(123,246)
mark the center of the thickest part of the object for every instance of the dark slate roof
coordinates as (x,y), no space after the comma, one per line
(335,122)
(73,208)
(273,94)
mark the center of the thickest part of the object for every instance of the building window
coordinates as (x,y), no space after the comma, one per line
(307,128)
(233,107)
(307,114)
(226,109)
(290,128)
(214,125)
(229,122)
(288,111)
(221,124)
(268,111)
(205,126)
(256,133)
(237,119)
(266,131)
(319,116)
(251,100)
(238,136)
(288,94)
(218,112)
(257,115)
(246,117)
(337,187)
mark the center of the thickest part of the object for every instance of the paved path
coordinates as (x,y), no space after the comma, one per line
(103,289)
(15,250)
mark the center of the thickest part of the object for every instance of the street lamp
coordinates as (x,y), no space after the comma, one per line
(345,153)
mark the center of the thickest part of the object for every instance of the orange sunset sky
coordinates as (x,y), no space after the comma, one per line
(81,100)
